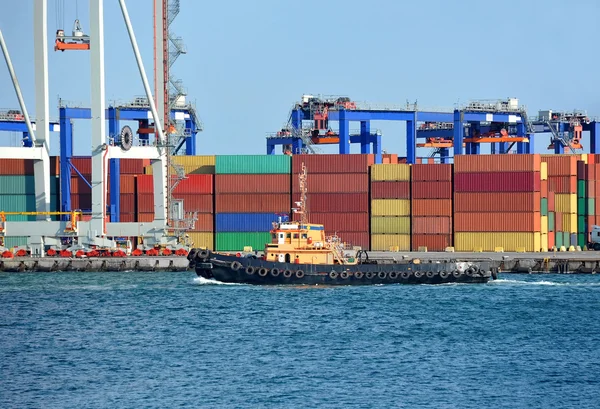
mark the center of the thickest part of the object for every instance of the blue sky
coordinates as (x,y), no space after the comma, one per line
(248,62)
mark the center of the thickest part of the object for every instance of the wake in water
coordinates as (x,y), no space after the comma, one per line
(211,281)
(543,283)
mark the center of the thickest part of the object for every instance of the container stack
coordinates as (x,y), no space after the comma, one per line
(17,193)
(562,184)
(338,194)
(251,192)
(191,165)
(390,207)
(497,203)
(431,204)
(592,186)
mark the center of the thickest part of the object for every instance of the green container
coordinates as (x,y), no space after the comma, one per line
(17,203)
(581,206)
(17,185)
(12,241)
(580,224)
(544,206)
(591,206)
(581,188)
(233,241)
(551,216)
(252,164)
(566,238)
(581,240)
(558,239)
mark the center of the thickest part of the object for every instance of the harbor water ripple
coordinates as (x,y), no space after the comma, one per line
(163,340)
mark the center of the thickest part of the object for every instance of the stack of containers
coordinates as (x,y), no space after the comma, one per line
(431,206)
(17,193)
(81,192)
(586,201)
(192,165)
(497,202)
(390,207)
(562,185)
(251,192)
(591,187)
(338,194)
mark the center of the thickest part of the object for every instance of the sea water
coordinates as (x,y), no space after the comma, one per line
(163,340)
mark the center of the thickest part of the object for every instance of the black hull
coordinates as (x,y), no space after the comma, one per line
(246,270)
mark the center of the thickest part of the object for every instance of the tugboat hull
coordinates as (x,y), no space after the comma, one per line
(247,270)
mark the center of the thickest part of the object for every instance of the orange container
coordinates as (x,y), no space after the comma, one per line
(252,203)
(561,165)
(205,223)
(390,190)
(335,202)
(128,184)
(196,203)
(334,182)
(390,158)
(127,202)
(271,183)
(562,184)
(497,202)
(431,207)
(544,188)
(333,163)
(433,242)
(496,163)
(432,190)
(145,184)
(497,222)
(431,225)
(432,172)
(145,217)
(551,201)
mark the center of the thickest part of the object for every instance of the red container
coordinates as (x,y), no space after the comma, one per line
(551,240)
(544,188)
(558,222)
(127,217)
(145,217)
(337,222)
(79,186)
(145,184)
(145,203)
(204,223)
(590,171)
(333,163)
(433,242)
(252,203)
(390,190)
(127,203)
(354,239)
(590,187)
(335,202)
(497,222)
(431,225)
(431,207)
(274,183)
(127,184)
(133,166)
(435,172)
(497,202)
(496,163)
(195,184)
(581,170)
(432,190)
(334,183)
(497,182)
(83,164)
(54,165)
(196,203)
(561,165)
(551,201)
(83,201)
(562,184)
(16,167)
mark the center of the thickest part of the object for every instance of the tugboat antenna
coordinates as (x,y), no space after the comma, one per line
(303,189)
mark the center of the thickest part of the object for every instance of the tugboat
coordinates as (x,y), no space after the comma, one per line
(301,254)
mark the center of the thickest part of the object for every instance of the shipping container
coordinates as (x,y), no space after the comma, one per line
(274,183)
(433,242)
(202,240)
(569,222)
(551,218)
(355,239)
(544,188)
(17,203)
(551,201)
(591,207)
(562,184)
(581,206)
(497,222)
(497,202)
(24,184)
(83,164)
(581,191)
(431,207)
(332,163)
(133,166)
(145,203)
(543,171)
(334,183)
(10,242)
(390,190)
(486,241)
(497,182)
(390,225)
(244,222)
(196,203)
(144,184)
(558,237)
(81,185)
(16,167)
(195,184)
(435,172)
(145,217)
(432,225)
(566,203)
(544,206)
(205,223)
(253,164)
(390,207)
(496,163)
(127,217)
(127,202)
(432,190)
(389,158)
(561,165)
(558,221)
(581,224)
(388,242)
(236,241)
(127,184)
(81,202)
(544,225)
(188,170)
(551,240)
(335,202)
(252,203)
(337,222)
(389,172)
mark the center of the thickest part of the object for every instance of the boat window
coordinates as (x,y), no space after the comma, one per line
(289,236)
(273,235)
(296,235)
(304,235)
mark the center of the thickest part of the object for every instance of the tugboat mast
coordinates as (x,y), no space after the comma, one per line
(303,189)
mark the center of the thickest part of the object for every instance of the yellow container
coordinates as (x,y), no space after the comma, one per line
(544,171)
(544,225)
(569,222)
(390,207)
(489,241)
(394,172)
(390,225)
(544,242)
(584,158)
(206,240)
(192,165)
(565,202)
(383,242)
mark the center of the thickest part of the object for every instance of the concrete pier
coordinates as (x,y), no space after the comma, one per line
(32,264)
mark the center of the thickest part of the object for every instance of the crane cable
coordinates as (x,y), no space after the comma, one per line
(60,14)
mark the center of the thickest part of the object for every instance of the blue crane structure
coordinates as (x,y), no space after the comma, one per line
(14,121)
(502,123)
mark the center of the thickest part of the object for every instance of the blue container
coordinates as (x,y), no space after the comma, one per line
(574,239)
(244,222)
